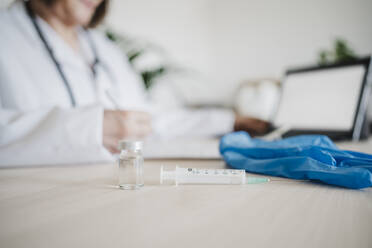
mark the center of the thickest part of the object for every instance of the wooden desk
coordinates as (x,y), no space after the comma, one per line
(80,206)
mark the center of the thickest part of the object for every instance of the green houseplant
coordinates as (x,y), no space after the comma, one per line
(135,51)
(340,52)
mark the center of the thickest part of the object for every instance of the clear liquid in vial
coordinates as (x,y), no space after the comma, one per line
(131,172)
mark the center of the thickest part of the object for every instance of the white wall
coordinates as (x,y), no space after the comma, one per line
(233,40)
(180,26)
(263,37)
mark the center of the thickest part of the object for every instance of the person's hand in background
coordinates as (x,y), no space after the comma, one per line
(251,125)
(119,124)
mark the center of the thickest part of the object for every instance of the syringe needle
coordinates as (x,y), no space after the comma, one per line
(255,180)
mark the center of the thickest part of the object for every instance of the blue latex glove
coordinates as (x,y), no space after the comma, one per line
(312,157)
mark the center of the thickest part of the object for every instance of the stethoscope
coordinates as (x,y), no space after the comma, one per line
(94,65)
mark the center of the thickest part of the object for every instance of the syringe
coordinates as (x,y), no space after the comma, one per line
(208,176)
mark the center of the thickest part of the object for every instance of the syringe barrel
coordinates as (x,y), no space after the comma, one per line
(209,176)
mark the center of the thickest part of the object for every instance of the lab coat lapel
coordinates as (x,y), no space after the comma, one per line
(18,12)
(62,51)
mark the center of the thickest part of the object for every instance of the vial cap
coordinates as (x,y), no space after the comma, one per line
(130,145)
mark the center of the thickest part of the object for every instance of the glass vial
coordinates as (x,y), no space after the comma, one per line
(130,164)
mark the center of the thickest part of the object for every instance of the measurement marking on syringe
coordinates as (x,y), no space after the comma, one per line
(208,176)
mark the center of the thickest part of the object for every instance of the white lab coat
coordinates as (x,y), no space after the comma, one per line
(37,123)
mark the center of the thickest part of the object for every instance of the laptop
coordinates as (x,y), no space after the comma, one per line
(331,100)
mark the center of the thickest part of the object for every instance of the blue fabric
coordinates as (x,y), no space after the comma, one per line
(313,157)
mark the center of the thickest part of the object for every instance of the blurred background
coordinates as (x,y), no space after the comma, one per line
(199,52)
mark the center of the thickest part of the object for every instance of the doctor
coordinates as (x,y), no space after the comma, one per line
(67,95)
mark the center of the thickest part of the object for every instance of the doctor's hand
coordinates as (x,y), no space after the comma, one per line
(251,125)
(119,124)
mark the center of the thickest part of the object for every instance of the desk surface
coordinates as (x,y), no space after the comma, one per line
(80,206)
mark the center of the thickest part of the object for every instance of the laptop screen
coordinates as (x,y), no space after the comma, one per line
(325,99)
